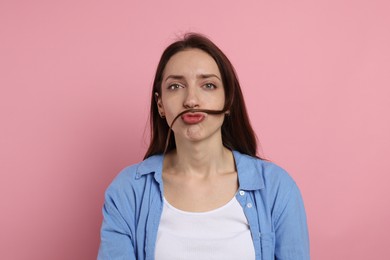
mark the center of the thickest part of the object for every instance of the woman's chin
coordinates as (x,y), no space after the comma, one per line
(194,133)
(191,133)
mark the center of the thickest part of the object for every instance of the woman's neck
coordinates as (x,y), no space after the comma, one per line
(199,159)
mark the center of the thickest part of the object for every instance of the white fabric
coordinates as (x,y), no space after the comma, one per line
(222,233)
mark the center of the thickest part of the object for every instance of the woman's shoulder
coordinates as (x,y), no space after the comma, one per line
(268,174)
(134,175)
(274,172)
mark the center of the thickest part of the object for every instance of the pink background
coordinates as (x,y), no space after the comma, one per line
(75,80)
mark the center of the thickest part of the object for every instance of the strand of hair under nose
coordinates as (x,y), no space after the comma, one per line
(191,110)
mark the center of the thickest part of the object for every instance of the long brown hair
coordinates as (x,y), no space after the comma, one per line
(237,132)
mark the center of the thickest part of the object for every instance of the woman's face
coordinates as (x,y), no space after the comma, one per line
(191,79)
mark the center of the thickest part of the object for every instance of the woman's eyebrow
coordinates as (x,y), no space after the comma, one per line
(202,76)
(205,76)
(174,77)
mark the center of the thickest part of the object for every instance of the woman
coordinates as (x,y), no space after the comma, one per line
(201,192)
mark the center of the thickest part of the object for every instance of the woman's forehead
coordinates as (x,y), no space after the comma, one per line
(191,62)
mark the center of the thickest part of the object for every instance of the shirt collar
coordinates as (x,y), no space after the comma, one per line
(152,164)
(250,174)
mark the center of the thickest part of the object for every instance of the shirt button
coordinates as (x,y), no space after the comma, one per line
(242,192)
(249,205)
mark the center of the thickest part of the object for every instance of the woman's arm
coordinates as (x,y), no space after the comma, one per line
(291,233)
(116,241)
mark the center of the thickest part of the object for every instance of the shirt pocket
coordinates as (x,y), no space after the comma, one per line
(267,242)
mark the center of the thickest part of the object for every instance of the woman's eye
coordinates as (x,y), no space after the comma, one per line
(174,86)
(210,86)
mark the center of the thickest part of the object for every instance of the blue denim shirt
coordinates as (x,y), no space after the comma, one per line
(269,197)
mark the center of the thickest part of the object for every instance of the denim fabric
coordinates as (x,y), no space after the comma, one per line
(269,197)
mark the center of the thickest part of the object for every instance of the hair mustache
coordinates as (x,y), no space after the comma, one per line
(191,110)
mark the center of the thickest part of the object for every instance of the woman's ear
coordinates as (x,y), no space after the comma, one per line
(160,106)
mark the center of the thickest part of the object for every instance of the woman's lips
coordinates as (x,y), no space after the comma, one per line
(192,118)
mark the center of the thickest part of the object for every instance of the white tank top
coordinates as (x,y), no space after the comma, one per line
(222,233)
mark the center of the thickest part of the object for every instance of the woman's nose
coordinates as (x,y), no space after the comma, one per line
(191,99)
